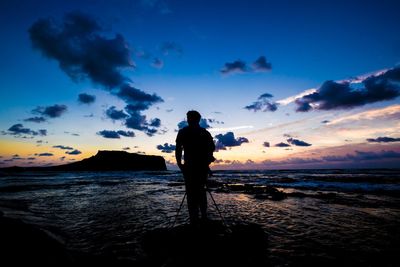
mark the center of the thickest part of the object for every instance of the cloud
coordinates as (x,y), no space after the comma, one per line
(139,122)
(383,139)
(390,112)
(364,155)
(86,98)
(166,148)
(46,154)
(266,144)
(302,106)
(203,123)
(63,147)
(35,119)
(228,140)
(84,52)
(73,134)
(215,121)
(156,122)
(126,133)
(240,66)
(169,47)
(115,134)
(16,157)
(18,130)
(297,142)
(157,63)
(115,114)
(265,95)
(137,97)
(80,50)
(282,145)
(261,65)
(341,95)
(138,102)
(237,66)
(224,129)
(291,99)
(300,161)
(263,104)
(51,111)
(73,152)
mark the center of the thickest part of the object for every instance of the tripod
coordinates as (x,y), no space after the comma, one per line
(213,200)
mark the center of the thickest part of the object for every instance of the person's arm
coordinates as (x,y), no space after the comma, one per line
(178,151)
(211,147)
(178,155)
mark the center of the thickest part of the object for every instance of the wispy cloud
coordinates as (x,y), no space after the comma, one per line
(225,129)
(390,112)
(291,99)
(63,147)
(35,119)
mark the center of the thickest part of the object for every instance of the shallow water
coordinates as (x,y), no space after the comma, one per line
(109,212)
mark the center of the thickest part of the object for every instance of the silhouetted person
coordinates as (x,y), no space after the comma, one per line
(198,147)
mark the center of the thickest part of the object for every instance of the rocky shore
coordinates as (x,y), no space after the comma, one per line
(22,244)
(208,244)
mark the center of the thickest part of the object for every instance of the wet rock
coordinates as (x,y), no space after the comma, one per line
(259,192)
(209,244)
(22,244)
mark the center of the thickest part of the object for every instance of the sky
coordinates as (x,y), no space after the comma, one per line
(279,84)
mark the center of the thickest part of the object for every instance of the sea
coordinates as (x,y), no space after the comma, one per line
(324,213)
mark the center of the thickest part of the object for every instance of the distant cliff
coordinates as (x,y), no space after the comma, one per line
(107,161)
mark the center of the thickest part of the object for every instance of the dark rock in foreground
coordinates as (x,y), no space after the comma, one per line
(210,244)
(106,161)
(22,244)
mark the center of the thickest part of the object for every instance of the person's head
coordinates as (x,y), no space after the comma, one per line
(193,117)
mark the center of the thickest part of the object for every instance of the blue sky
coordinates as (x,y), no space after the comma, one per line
(179,55)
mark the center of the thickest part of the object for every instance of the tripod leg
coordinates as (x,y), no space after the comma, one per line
(219,212)
(180,207)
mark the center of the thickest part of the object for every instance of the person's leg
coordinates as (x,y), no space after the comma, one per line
(203,203)
(192,201)
(203,195)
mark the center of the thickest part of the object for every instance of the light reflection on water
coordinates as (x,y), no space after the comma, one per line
(109,212)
